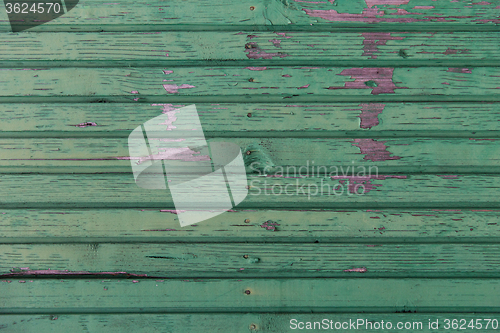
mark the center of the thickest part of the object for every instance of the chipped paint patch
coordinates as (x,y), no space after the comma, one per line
(374,39)
(377,79)
(167,72)
(173,88)
(256,68)
(369,114)
(365,182)
(255,52)
(88,123)
(358,270)
(303,87)
(26,271)
(459,70)
(269,225)
(374,150)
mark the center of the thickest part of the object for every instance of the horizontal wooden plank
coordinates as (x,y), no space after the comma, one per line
(249,295)
(243,323)
(229,14)
(386,226)
(228,84)
(359,120)
(290,157)
(458,49)
(370,192)
(241,260)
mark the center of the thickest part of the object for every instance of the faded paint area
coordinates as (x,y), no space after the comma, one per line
(173,88)
(369,114)
(374,150)
(364,182)
(459,70)
(178,153)
(372,40)
(256,68)
(377,79)
(255,52)
(88,123)
(358,270)
(269,225)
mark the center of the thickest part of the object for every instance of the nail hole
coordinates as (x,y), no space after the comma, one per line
(252,7)
(245,256)
(248,152)
(249,115)
(253,327)
(247,292)
(250,80)
(247,221)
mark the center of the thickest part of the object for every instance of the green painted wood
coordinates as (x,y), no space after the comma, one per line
(244,295)
(383,191)
(237,323)
(360,120)
(127,15)
(241,260)
(228,84)
(387,226)
(283,156)
(458,49)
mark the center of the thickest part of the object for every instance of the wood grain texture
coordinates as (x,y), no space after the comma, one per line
(376,192)
(266,120)
(127,15)
(240,260)
(237,323)
(368,226)
(244,295)
(287,157)
(457,49)
(228,84)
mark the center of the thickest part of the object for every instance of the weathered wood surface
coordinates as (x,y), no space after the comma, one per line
(42,296)
(128,15)
(374,192)
(342,120)
(240,260)
(236,323)
(369,226)
(229,84)
(458,49)
(289,157)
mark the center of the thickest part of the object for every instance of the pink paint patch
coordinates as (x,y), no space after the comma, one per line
(256,68)
(371,3)
(374,150)
(134,92)
(424,7)
(181,154)
(173,88)
(369,15)
(369,114)
(27,271)
(86,124)
(358,270)
(374,39)
(459,70)
(364,182)
(377,79)
(286,75)
(448,176)
(283,34)
(276,42)
(303,87)
(270,225)
(173,211)
(445,83)
(136,99)
(168,72)
(254,52)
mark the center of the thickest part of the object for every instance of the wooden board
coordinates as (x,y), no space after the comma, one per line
(128,15)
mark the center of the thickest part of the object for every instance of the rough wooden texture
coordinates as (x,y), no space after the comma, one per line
(375,192)
(348,120)
(369,226)
(229,84)
(128,15)
(459,49)
(42,296)
(240,260)
(241,323)
(286,156)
